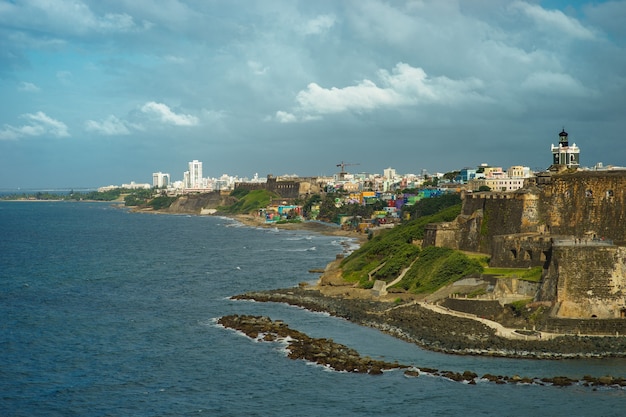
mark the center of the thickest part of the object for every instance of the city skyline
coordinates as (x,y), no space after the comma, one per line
(108,92)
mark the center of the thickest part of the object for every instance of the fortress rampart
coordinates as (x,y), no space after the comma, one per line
(571,224)
(586,204)
(290,188)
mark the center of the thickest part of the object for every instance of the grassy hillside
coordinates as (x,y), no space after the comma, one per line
(437,267)
(388,253)
(248,201)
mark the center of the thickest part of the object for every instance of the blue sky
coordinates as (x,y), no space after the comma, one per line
(105,92)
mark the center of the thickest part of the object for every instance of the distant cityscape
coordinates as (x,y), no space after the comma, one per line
(482,177)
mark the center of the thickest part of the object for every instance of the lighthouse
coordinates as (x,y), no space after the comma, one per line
(565,155)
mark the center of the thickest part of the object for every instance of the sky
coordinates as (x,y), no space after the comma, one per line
(98,92)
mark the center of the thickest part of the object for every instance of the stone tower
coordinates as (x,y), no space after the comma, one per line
(564,155)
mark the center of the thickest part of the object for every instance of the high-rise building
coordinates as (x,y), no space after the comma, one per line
(160,180)
(195,174)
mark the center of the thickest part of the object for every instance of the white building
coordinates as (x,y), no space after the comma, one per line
(498,180)
(135,186)
(195,174)
(160,180)
(389,173)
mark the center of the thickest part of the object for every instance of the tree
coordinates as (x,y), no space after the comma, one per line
(450,176)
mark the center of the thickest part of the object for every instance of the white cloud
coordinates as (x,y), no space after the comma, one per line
(70,17)
(319,25)
(110,126)
(285,117)
(166,115)
(404,85)
(38,124)
(28,87)
(554,19)
(257,68)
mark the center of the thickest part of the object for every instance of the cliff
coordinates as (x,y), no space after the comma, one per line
(195,203)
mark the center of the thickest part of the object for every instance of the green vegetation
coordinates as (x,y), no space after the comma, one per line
(138,198)
(430,206)
(330,213)
(437,267)
(517,307)
(387,254)
(161,202)
(525,274)
(109,195)
(248,201)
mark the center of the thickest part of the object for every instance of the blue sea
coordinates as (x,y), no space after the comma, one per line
(110,313)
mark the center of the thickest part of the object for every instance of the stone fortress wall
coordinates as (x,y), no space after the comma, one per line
(286,188)
(571,224)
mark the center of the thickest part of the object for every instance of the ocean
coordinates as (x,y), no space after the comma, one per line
(105,312)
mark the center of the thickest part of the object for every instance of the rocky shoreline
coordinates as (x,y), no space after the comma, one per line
(324,352)
(327,353)
(439,332)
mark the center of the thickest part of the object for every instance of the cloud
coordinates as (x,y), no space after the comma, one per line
(319,25)
(111,126)
(167,116)
(68,17)
(550,83)
(403,86)
(554,19)
(38,124)
(285,117)
(136,120)
(28,87)
(257,68)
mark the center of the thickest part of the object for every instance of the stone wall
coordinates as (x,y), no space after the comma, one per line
(588,280)
(584,326)
(486,309)
(514,288)
(522,250)
(586,204)
(291,188)
(497,214)
(444,234)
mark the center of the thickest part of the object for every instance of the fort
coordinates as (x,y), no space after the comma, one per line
(287,188)
(569,222)
(572,226)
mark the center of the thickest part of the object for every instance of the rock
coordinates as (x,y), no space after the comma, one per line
(300,346)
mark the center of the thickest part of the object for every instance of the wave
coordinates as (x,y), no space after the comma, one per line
(296,238)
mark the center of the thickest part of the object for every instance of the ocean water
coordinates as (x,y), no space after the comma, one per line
(109,313)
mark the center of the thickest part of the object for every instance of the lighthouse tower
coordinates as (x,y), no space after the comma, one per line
(565,155)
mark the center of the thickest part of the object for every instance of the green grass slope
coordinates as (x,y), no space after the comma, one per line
(437,267)
(387,254)
(248,201)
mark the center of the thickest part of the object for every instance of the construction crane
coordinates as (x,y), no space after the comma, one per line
(343,166)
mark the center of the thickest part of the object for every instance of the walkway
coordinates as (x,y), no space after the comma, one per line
(501,331)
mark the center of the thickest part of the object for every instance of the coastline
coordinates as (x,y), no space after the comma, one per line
(407,317)
(312,226)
